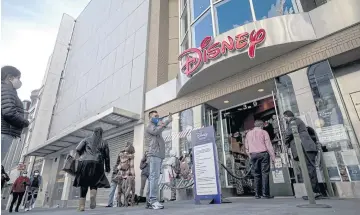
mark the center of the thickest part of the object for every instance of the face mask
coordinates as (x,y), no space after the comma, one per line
(155,120)
(16,83)
(36,173)
(24,175)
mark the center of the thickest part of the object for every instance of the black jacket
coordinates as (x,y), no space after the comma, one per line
(12,111)
(90,150)
(306,140)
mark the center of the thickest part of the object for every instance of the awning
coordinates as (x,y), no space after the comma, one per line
(107,120)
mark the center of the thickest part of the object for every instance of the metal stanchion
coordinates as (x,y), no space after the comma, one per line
(304,170)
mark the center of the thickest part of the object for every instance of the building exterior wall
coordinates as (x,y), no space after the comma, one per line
(106,63)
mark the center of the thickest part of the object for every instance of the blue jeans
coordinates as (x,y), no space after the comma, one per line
(112,193)
(6,141)
(155,169)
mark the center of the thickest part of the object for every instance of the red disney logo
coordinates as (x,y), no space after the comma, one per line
(196,57)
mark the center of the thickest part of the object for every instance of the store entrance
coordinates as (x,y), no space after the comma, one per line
(231,124)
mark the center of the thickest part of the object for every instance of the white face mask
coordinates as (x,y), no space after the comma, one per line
(36,173)
(16,83)
(24,175)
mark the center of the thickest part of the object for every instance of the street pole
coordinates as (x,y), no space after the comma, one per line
(303,166)
(304,169)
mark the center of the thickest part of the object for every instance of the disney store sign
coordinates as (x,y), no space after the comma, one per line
(194,58)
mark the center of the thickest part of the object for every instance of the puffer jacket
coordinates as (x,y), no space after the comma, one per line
(12,111)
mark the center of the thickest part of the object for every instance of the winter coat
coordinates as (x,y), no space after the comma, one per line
(4,177)
(20,184)
(306,140)
(32,178)
(154,139)
(12,111)
(90,151)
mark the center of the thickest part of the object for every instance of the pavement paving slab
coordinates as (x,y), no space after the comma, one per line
(239,206)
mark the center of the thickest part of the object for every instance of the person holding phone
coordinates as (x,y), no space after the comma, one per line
(156,155)
(18,190)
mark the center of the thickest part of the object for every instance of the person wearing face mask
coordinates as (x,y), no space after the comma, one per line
(156,154)
(33,190)
(18,190)
(12,110)
(309,147)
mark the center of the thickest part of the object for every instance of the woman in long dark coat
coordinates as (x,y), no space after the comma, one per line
(94,156)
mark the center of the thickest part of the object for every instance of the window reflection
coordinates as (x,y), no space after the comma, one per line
(271,8)
(198,7)
(202,28)
(232,13)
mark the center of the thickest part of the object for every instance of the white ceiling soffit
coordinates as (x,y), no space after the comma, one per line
(107,120)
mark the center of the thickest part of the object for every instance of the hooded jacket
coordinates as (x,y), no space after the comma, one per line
(12,111)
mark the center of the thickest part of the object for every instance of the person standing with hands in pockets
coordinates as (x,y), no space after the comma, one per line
(156,154)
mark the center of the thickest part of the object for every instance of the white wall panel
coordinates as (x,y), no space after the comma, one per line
(106,63)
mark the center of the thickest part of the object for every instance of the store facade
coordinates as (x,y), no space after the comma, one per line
(94,78)
(256,64)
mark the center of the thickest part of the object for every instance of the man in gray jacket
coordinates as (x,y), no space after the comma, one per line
(156,154)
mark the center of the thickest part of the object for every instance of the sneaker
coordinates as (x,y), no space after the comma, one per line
(268,197)
(27,209)
(148,205)
(257,197)
(157,206)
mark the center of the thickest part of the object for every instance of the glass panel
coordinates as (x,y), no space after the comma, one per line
(232,13)
(185,44)
(201,29)
(184,23)
(312,95)
(198,7)
(271,8)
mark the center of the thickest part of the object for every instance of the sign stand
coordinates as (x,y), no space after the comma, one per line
(205,166)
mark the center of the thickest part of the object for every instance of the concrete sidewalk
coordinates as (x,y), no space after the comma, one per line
(239,206)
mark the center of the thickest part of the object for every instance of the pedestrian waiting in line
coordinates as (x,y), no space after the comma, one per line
(258,146)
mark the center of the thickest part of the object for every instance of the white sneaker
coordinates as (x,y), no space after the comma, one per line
(157,206)
(27,209)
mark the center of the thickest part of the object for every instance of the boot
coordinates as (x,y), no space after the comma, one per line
(93,199)
(82,204)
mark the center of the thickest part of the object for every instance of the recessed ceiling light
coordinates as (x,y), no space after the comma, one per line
(226,101)
(261,90)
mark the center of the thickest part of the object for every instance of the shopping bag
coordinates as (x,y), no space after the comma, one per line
(70,165)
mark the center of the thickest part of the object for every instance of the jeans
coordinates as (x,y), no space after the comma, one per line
(6,141)
(155,169)
(261,168)
(31,196)
(112,193)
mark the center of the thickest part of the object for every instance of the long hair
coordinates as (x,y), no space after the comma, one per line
(97,135)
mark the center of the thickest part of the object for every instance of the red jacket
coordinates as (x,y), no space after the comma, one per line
(20,184)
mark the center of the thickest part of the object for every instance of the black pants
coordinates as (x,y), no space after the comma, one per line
(261,169)
(310,159)
(16,197)
(84,190)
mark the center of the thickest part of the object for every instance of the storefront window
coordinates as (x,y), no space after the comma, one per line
(318,103)
(198,7)
(271,8)
(201,29)
(231,14)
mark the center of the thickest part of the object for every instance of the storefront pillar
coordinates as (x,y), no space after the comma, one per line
(139,153)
